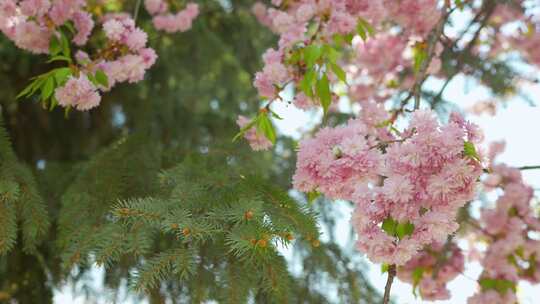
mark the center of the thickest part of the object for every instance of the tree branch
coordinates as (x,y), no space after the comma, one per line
(389,280)
(486,14)
(433,38)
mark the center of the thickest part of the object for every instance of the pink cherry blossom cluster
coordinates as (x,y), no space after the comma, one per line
(508,228)
(306,22)
(128,56)
(432,269)
(427,178)
(417,178)
(168,22)
(125,58)
(338,160)
(31,23)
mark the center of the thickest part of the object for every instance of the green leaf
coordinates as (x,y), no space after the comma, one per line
(389,226)
(312,29)
(419,56)
(469,150)
(61,75)
(92,79)
(59,58)
(500,285)
(307,83)
(266,127)
(417,274)
(361,31)
(367,26)
(312,53)
(503,286)
(28,89)
(342,39)
(331,53)
(339,72)
(102,78)
(245,128)
(70,27)
(384,267)
(323,92)
(65,44)
(404,229)
(54,103)
(294,57)
(47,89)
(55,46)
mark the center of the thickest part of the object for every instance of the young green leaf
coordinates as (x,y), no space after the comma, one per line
(102,78)
(323,92)
(48,88)
(499,285)
(53,103)
(389,226)
(61,75)
(367,26)
(339,72)
(28,89)
(331,53)
(419,56)
(312,53)
(417,276)
(59,58)
(361,31)
(245,128)
(70,27)
(307,83)
(55,46)
(266,127)
(469,150)
(404,229)
(65,44)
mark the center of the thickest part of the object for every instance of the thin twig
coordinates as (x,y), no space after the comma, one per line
(486,13)
(529,167)
(442,257)
(433,38)
(389,280)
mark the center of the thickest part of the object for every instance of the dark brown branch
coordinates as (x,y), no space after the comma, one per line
(529,168)
(389,281)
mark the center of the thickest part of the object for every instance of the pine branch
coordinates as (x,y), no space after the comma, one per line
(175,261)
